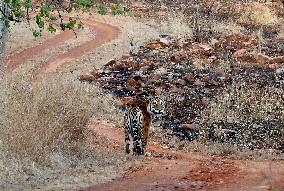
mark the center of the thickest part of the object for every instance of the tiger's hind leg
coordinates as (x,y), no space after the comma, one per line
(127,126)
(138,148)
(127,140)
(137,135)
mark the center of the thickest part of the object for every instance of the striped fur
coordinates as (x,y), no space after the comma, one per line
(138,119)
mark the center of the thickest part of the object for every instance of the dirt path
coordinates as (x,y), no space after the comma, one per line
(174,170)
(165,169)
(104,33)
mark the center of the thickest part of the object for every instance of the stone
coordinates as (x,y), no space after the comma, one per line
(262,59)
(214,42)
(189,78)
(176,57)
(165,41)
(132,82)
(278,60)
(95,73)
(205,101)
(119,87)
(205,47)
(161,71)
(125,56)
(161,13)
(243,55)
(280,70)
(198,82)
(189,127)
(179,82)
(86,77)
(110,63)
(156,44)
(201,50)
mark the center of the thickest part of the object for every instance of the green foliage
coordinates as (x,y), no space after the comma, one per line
(37,34)
(102,9)
(80,26)
(118,10)
(85,3)
(51,29)
(115,9)
(45,19)
(28,4)
(71,24)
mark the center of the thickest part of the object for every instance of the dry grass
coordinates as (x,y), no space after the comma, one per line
(228,151)
(259,14)
(43,136)
(227,28)
(246,102)
(175,24)
(22,32)
(249,116)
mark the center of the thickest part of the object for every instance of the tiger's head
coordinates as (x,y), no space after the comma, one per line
(157,106)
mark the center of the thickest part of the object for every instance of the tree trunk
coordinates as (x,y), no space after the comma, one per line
(3,36)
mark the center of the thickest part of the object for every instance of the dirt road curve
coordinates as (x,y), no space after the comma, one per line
(104,33)
(166,169)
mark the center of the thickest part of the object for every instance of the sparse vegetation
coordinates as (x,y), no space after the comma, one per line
(43,131)
(217,104)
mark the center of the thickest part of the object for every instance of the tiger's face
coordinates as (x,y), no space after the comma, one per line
(157,106)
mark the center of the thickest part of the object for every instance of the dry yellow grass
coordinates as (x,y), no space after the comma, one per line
(261,103)
(44,141)
(258,13)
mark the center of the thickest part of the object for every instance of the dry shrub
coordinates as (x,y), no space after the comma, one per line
(245,102)
(43,130)
(259,14)
(249,116)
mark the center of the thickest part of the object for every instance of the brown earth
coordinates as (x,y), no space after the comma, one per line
(169,169)
(165,169)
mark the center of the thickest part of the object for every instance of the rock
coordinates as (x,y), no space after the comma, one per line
(214,42)
(189,78)
(211,59)
(132,82)
(205,47)
(189,127)
(205,101)
(179,82)
(277,60)
(155,45)
(86,77)
(219,72)
(243,55)
(176,57)
(161,13)
(119,87)
(201,50)
(280,70)
(95,73)
(161,71)
(198,82)
(165,41)
(145,62)
(262,59)
(111,62)
(125,56)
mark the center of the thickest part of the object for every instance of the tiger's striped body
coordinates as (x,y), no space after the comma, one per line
(138,120)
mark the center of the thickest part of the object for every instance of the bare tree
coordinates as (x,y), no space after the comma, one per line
(5,13)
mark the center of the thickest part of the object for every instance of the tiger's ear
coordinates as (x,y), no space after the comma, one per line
(158,92)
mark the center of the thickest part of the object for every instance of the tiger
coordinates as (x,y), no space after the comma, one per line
(138,120)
